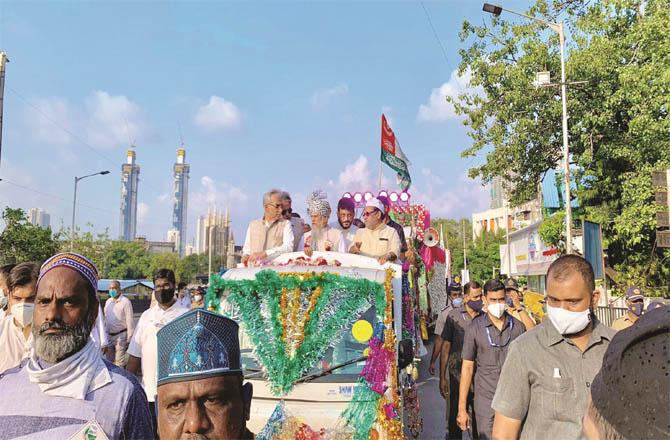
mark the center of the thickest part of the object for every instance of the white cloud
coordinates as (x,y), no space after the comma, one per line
(217,194)
(321,98)
(218,114)
(114,121)
(438,109)
(102,120)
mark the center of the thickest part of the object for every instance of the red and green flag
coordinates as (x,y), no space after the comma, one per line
(393,156)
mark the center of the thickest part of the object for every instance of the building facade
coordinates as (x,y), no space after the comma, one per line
(130,173)
(179,212)
(39,217)
(215,226)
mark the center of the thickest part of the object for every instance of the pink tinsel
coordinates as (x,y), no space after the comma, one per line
(376,368)
(390,411)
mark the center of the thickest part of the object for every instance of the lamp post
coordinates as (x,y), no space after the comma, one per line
(558,28)
(74,202)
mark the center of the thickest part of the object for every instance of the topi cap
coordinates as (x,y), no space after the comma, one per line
(634,293)
(197,345)
(511,283)
(76,262)
(375,203)
(631,389)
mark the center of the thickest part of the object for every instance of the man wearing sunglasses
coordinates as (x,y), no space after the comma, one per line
(269,236)
(485,347)
(377,239)
(635,304)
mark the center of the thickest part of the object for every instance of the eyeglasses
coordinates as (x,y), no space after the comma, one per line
(287,211)
(368,213)
(275,205)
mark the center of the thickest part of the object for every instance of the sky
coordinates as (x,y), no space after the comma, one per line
(262,95)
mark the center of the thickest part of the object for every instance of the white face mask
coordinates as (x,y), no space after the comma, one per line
(567,322)
(496,309)
(197,298)
(23,313)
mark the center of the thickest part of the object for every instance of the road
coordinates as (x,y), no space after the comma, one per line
(433,406)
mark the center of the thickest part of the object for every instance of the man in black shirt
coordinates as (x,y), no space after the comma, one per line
(453,333)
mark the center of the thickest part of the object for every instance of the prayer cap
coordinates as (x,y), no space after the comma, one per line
(630,390)
(375,203)
(197,345)
(346,203)
(75,262)
(634,293)
(317,204)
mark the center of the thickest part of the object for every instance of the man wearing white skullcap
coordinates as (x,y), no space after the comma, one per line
(377,239)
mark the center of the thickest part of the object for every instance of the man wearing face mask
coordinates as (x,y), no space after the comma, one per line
(454,299)
(635,304)
(544,385)
(119,323)
(485,347)
(15,328)
(142,348)
(453,335)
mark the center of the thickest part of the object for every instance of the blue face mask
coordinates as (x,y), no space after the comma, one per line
(636,308)
(457,302)
(476,305)
(113,293)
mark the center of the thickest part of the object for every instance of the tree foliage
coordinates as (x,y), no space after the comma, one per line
(618,118)
(22,241)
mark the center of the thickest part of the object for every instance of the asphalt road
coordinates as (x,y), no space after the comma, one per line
(433,406)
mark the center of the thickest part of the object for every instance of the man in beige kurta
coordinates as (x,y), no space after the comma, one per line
(322,236)
(270,236)
(377,239)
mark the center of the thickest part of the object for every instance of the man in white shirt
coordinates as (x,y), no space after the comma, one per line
(269,236)
(183,295)
(346,212)
(377,239)
(119,323)
(143,348)
(15,328)
(322,237)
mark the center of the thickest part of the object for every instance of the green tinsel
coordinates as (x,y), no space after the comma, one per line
(340,303)
(361,412)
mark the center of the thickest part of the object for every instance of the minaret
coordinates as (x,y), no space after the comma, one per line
(130,173)
(179,213)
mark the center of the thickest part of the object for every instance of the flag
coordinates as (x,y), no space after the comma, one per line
(393,156)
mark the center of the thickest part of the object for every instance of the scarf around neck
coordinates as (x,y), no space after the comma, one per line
(73,377)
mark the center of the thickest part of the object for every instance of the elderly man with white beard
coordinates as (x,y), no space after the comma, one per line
(65,389)
(322,237)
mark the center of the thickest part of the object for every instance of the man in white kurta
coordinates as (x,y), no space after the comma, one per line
(16,327)
(346,212)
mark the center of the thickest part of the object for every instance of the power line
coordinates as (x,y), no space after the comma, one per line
(437,37)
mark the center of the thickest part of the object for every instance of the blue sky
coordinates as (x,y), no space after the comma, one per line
(263,94)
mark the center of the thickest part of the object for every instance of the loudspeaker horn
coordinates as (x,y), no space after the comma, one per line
(431,238)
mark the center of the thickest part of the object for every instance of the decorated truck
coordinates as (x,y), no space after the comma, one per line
(322,343)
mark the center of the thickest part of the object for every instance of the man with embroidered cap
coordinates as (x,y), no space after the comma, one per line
(630,395)
(65,389)
(635,305)
(377,239)
(200,389)
(322,237)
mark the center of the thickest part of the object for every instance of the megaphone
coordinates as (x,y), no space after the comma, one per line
(431,237)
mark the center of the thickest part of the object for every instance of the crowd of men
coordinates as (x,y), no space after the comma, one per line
(504,376)
(74,369)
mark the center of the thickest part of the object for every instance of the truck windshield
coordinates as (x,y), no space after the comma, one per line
(348,348)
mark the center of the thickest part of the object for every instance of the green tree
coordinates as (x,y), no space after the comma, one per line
(168,260)
(21,241)
(90,244)
(619,121)
(127,260)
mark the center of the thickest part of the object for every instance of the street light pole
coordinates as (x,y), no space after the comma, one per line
(558,28)
(74,203)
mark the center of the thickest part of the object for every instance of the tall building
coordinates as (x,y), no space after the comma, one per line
(215,227)
(130,173)
(179,212)
(39,217)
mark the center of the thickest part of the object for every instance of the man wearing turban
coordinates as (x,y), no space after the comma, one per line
(322,237)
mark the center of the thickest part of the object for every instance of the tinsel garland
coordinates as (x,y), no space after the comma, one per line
(376,398)
(292,319)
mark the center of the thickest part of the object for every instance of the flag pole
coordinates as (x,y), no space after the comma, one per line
(380,176)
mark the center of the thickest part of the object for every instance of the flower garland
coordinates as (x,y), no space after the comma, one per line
(376,398)
(292,319)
